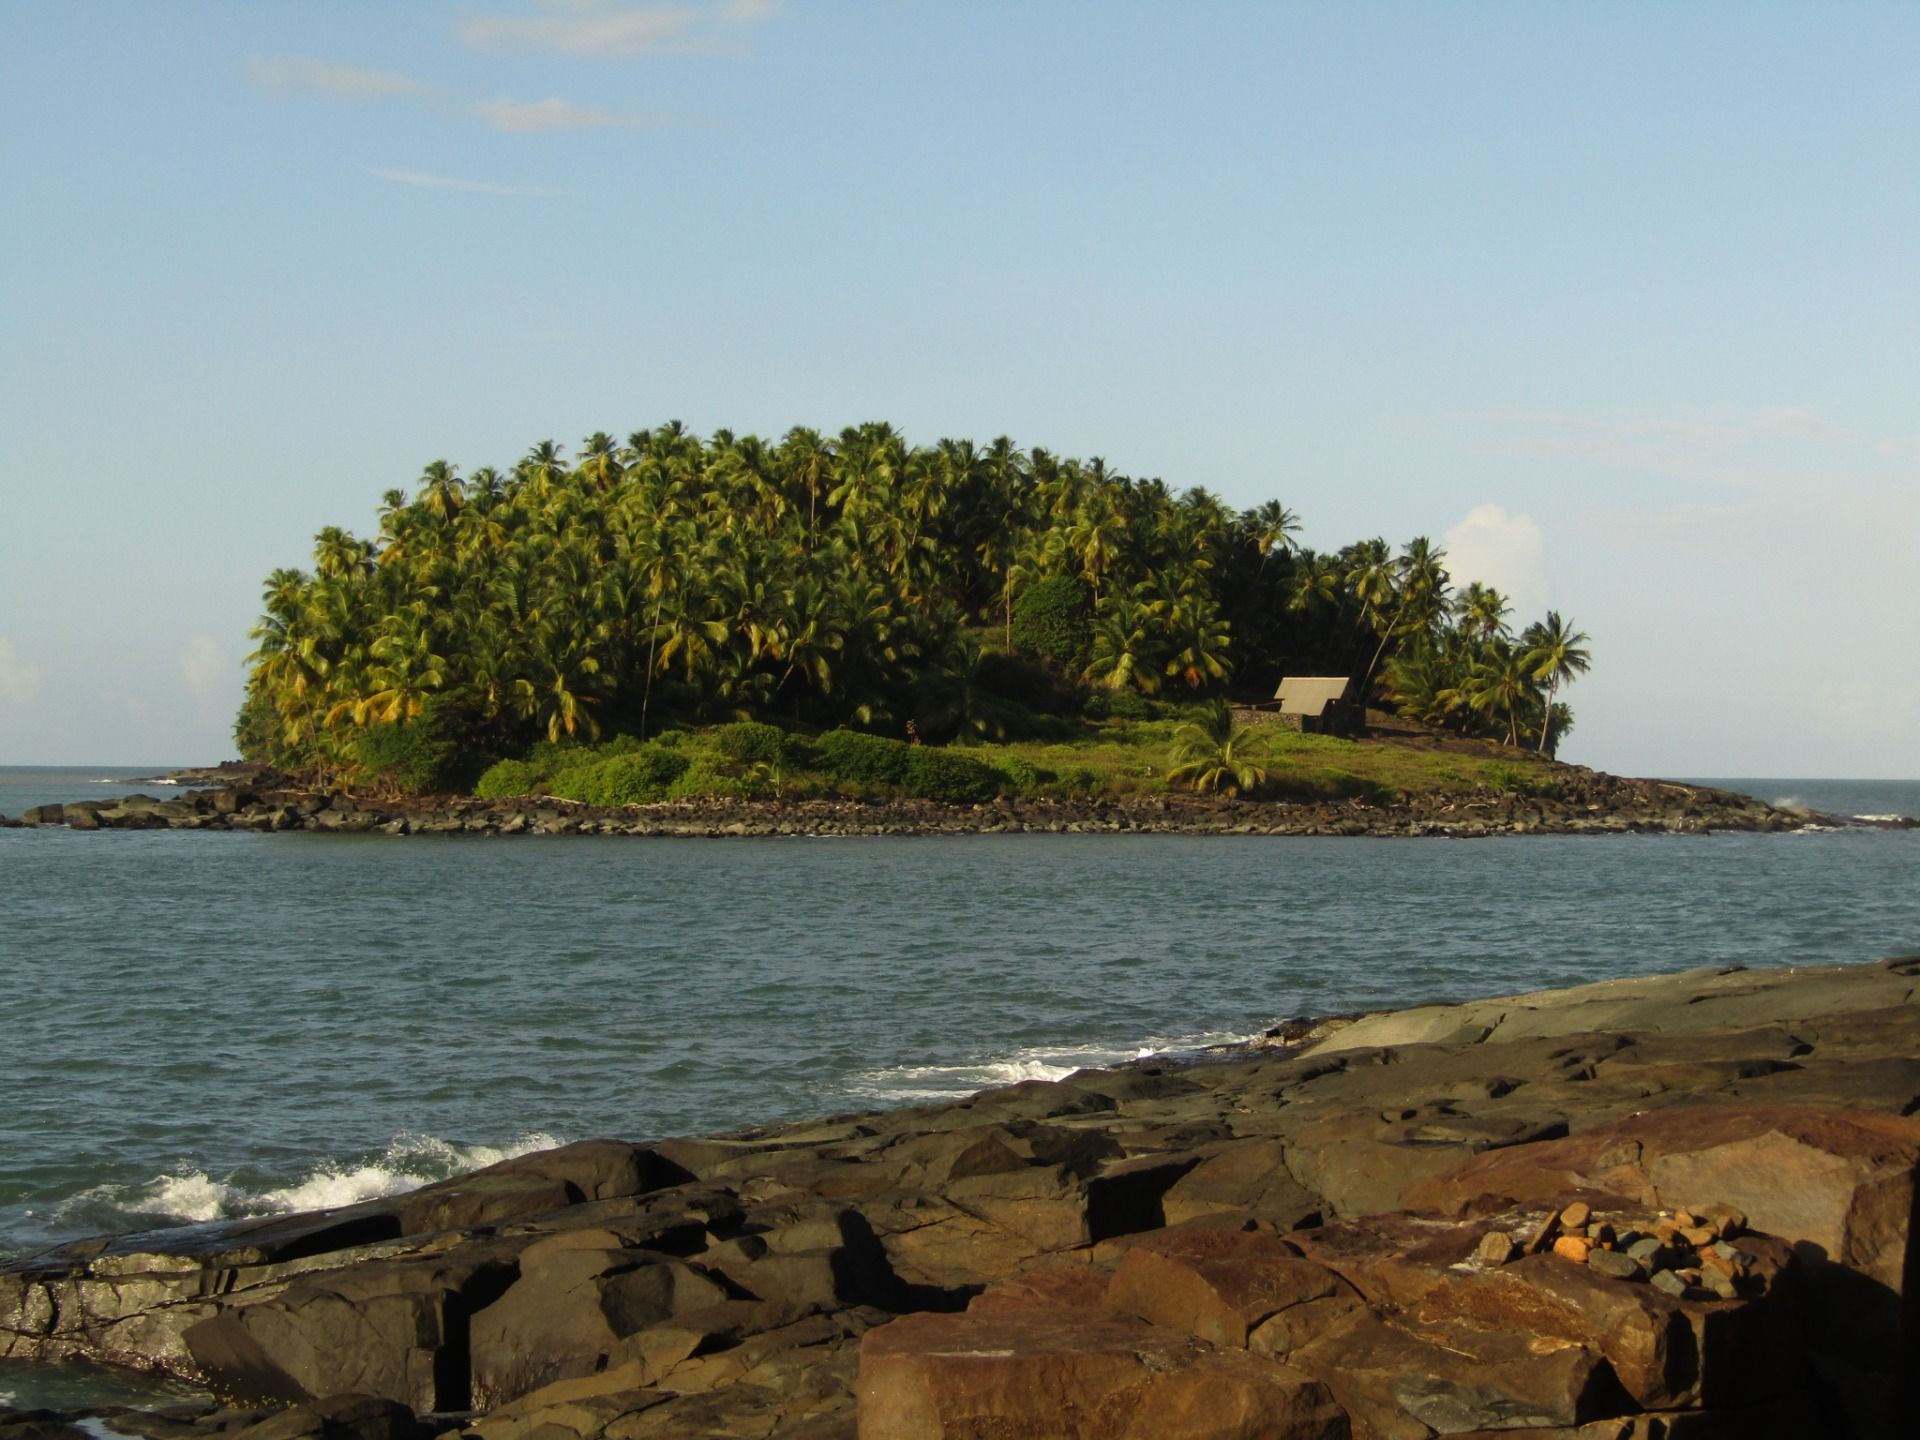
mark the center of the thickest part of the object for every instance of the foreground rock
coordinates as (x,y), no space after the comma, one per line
(1679,1206)
(1588,803)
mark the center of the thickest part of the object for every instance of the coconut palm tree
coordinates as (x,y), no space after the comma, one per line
(1558,655)
(1122,652)
(1210,754)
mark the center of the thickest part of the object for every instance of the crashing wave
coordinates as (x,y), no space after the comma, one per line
(920,1083)
(193,1196)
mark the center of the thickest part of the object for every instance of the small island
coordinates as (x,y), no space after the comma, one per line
(860,617)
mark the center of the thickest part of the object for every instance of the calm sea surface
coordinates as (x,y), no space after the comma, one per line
(199,1025)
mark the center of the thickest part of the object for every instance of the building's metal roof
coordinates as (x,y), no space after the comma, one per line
(1310,694)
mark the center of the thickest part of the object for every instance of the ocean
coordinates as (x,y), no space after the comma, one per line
(209,1024)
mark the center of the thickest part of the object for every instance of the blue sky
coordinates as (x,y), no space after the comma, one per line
(1621,303)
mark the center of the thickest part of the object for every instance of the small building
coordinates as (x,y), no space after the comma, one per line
(1318,705)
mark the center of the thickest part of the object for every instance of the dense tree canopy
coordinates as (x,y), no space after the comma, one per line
(851,579)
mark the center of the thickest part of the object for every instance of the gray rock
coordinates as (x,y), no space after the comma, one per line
(1616,1265)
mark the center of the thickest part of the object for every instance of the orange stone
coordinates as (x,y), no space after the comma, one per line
(1573,1247)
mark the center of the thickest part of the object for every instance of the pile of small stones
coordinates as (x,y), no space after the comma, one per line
(1688,1254)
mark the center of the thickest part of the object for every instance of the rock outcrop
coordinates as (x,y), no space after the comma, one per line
(1680,1206)
(1587,802)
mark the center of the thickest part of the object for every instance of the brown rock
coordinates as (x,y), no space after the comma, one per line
(1218,1286)
(1496,1247)
(1064,1375)
(1576,1215)
(568,1313)
(1408,1379)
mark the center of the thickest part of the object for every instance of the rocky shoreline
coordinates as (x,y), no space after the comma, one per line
(1678,1206)
(1588,803)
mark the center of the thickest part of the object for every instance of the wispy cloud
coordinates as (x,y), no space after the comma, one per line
(602,27)
(19,679)
(444,182)
(305,75)
(539,117)
(1738,447)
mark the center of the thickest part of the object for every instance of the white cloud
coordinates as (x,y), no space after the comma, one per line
(538,117)
(599,27)
(203,665)
(1501,550)
(442,182)
(304,75)
(19,679)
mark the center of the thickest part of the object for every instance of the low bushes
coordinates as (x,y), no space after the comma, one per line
(950,777)
(507,778)
(639,777)
(862,759)
(748,742)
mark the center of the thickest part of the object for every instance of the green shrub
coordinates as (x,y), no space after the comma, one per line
(506,778)
(1023,775)
(575,782)
(1128,705)
(950,777)
(862,759)
(550,757)
(701,782)
(1051,619)
(749,742)
(411,756)
(638,777)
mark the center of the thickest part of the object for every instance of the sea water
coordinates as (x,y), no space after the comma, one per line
(207,1024)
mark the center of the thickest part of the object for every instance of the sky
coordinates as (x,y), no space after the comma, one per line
(1618,303)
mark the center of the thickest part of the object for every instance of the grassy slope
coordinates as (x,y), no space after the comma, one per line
(1131,758)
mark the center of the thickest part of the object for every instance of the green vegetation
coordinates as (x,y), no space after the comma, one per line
(1210,754)
(704,606)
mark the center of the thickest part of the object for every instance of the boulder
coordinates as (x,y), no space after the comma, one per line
(1219,1285)
(568,1312)
(1045,1373)
(1453,1376)
(1245,1177)
(395,1330)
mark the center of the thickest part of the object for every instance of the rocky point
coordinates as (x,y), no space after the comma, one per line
(1680,1206)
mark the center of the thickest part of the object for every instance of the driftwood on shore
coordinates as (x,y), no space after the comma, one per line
(1587,803)
(1677,1206)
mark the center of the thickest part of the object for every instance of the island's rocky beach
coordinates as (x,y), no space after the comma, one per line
(1586,802)
(1676,1206)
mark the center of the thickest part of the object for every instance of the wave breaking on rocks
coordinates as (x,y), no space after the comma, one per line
(1674,1206)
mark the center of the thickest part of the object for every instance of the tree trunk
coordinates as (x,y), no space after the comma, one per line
(653,640)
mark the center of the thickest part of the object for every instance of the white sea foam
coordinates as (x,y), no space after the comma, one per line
(946,1082)
(1880,819)
(408,1162)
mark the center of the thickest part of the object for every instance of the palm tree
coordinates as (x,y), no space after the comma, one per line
(1122,652)
(1094,540)
(1557,654)
(1212,755)
(1270,527)
(442,492)
(1481,611)
(1501,685)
